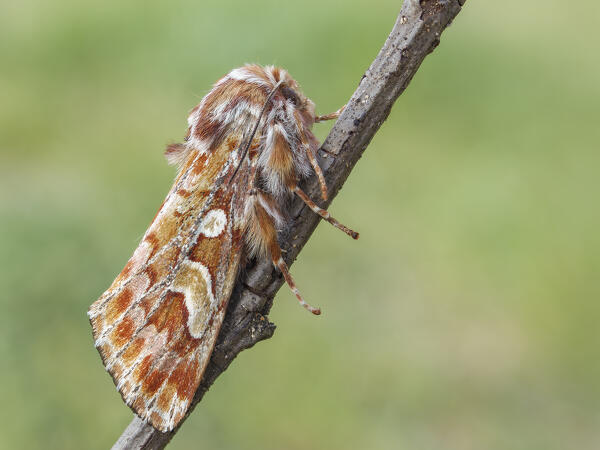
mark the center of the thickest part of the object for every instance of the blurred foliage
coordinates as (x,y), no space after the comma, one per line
(466,316)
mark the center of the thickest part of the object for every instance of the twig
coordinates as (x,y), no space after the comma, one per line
(415,34)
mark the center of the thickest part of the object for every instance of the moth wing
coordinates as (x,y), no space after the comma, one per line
(157,324)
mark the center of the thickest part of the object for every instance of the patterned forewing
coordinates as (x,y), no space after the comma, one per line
(156,326)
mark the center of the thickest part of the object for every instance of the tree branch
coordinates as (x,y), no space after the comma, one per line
(416,33)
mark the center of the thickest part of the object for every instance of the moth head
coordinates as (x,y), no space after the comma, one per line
(289,91)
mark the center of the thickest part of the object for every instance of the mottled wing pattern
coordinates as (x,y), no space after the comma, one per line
(156,326)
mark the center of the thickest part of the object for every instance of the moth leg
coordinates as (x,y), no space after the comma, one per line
(318,171)
(262,226)
(330,116)
(323,213)
(282,266)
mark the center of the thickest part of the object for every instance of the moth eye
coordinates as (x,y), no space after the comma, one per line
(290,94)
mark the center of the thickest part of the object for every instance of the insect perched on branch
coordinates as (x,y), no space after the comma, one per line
(248,144)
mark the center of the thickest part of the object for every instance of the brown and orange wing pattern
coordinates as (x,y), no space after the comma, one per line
(249,143)
(156,326)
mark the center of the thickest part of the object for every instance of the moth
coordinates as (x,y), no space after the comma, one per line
(248,144)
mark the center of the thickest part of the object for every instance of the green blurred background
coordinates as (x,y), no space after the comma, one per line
(466,316)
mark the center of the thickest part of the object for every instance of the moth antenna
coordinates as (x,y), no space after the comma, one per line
(249,142)
(318,171)
(323,213)
(282,266)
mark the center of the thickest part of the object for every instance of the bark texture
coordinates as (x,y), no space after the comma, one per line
(416,33)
